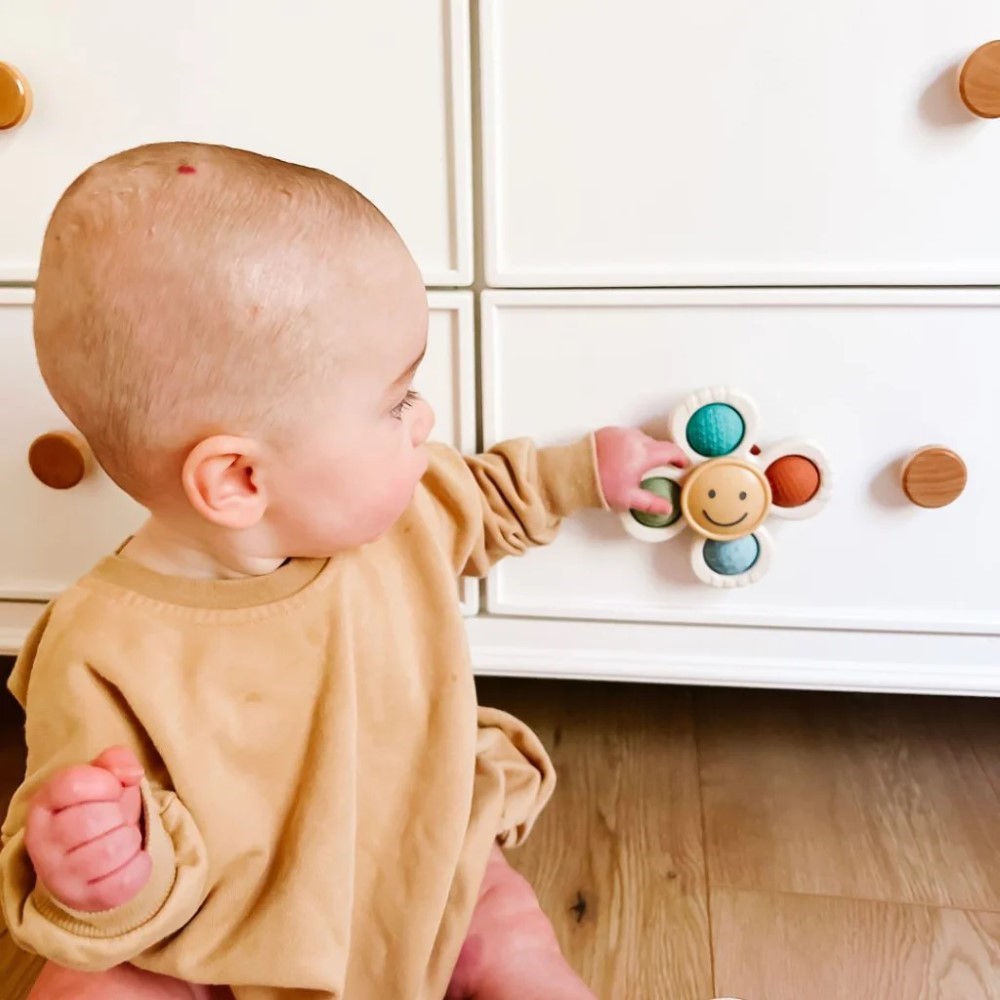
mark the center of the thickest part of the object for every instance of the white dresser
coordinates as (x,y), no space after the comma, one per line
(618,203)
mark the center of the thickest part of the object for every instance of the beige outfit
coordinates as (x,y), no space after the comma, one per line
(322,792)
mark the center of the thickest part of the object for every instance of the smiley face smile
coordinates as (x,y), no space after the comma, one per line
(724,524)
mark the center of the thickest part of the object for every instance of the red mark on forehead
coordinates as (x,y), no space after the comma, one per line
(186,168)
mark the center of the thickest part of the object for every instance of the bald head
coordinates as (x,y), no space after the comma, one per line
(188,290)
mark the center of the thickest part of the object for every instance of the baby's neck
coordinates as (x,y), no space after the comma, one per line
(159,546)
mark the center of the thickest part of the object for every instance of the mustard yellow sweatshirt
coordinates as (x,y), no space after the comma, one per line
(322,791)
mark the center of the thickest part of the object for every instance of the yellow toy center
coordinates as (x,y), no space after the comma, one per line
(725,499)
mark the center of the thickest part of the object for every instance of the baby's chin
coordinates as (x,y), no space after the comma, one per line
(405,495)
(400,516)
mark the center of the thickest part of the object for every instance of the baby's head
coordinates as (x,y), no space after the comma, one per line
(236,337)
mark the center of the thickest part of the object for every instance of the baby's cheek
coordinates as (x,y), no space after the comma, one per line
(395,495)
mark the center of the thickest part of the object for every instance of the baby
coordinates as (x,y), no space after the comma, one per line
(256,766)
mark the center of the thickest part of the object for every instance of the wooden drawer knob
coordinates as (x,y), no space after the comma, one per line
(15,97)
(979,81)
(60,459)
(934,477)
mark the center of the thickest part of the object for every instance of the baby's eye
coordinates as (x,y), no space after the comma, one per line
(743,495)
(711,494)
(404,404)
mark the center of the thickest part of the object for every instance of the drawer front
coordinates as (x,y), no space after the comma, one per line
(658,142)
(871,377)
(375,93)
(49,537)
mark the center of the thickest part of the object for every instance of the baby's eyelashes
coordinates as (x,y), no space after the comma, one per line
(404,404)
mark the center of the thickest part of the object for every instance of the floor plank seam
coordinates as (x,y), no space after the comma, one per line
(987,774)
(949,907)
(704,838)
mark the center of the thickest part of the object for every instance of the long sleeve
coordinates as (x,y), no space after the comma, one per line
(73,714)
(511,760)
(510,499)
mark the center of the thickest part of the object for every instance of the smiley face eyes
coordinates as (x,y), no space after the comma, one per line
(712,494)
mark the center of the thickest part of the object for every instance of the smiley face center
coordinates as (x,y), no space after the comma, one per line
(725,508)
(725,498)
(713,495)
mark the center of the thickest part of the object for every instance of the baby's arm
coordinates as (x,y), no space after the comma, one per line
(514,497)
(81,902)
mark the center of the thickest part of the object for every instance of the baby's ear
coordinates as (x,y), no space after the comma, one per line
(222,481)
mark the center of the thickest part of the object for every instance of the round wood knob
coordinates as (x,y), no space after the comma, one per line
(15,97)
(979,81)
(59,459)
(934,477)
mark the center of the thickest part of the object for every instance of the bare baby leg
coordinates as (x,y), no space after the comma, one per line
(122,983)
(511,951)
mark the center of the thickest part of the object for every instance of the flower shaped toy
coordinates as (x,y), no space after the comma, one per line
(730,488)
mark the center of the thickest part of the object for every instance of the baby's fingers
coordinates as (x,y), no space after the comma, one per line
(71,828)
(667,453)
(131,805)
(113,890)
(76,785)
(96,860)
(122,763)
(649,503)
(120,887)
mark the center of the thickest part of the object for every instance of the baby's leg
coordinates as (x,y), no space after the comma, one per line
(511,951)
(122,983)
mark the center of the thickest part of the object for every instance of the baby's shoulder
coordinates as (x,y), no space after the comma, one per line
(84,628)
(88,613)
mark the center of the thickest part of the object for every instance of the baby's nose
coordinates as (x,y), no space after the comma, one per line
(423,423)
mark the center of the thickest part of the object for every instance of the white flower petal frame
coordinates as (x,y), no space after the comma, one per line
(705,573)
(645,533)
(740,402)
(800,448)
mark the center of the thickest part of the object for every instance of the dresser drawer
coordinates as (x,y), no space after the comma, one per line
(375,93)
(663,142)
(48,537)
(870,376)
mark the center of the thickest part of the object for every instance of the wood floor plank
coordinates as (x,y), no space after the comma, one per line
(617,859)
(979,721)
(870,797)
(773,946)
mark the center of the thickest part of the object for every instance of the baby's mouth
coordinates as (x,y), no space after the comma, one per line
(723,524)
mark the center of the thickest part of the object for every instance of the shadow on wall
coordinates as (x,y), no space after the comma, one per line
(940,105)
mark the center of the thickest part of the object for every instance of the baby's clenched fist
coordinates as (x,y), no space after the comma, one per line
(84,834)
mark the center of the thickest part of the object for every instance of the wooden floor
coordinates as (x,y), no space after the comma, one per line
(769,846)
(757,845)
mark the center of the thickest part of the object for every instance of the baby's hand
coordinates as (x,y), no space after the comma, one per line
(624,456)
(83,833)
